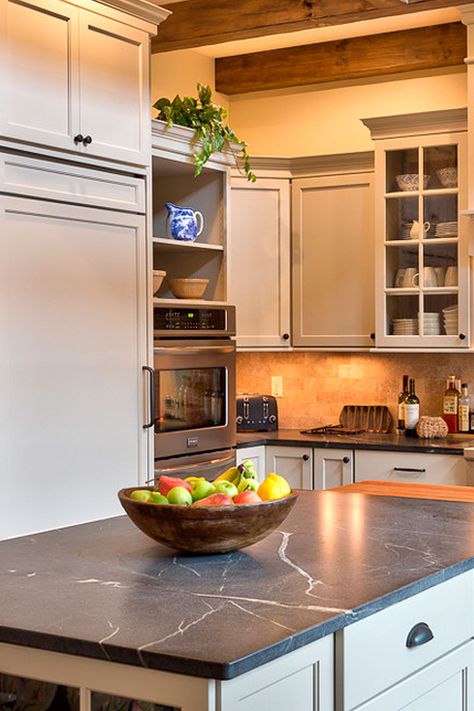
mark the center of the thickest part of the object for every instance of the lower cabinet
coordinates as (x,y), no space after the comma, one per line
(415,467)
(332,467)
(294,463)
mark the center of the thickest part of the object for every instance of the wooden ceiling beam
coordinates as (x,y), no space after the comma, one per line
(195,23)
(377,55)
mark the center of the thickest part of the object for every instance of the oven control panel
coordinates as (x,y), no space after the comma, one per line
(213,320)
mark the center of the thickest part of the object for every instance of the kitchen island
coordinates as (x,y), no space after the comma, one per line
(100,606)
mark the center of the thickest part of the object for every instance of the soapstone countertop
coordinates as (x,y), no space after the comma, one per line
(453,444)
(105,590)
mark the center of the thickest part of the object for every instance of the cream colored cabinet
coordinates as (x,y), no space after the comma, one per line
(173,181)
(293,463)
(259,259)
(416,467)
(416,654)
(422,263)
(333,259)
(332,467)
(74,76)
(256,456)
(73,324)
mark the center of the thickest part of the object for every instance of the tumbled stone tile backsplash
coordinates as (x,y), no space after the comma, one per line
(317,385)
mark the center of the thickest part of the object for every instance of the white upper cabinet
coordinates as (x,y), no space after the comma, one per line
(75,78)
(422,262)
(259,258)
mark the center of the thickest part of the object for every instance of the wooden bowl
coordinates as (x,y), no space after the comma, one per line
(188,288)
(206,529)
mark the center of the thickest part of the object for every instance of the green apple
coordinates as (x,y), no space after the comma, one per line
(201,489)
(179,495)
(157,498)
(226,487)
(140,495)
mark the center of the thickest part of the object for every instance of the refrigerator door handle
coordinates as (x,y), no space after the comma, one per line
(151,396)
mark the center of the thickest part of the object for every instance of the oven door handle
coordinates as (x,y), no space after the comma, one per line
(192,467)
(151,396)
(194,350)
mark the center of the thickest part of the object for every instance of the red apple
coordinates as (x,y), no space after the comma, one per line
(166,483)
(247,497)
(215,500)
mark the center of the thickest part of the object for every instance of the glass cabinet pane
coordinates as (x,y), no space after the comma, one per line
(440,266)
(22,694)
(402,315)
(402,270)
(440,315)
(441,164)
(401,215)
(402,170)
(440,216)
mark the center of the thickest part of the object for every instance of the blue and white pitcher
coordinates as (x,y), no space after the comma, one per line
(183,222)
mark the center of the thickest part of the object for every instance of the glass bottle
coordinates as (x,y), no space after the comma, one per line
(464,408)
(401,403)
(412,411)
(451,404)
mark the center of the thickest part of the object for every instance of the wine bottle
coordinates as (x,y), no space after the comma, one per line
(401,403)
(451,404)
(412,411)
(464,407)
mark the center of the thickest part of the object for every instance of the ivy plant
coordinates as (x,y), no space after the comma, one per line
(207,120)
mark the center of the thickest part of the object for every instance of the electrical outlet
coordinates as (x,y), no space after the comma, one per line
(277,386)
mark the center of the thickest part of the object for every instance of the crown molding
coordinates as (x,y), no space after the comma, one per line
(404,125)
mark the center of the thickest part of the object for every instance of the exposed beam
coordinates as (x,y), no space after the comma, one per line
(377,55)
(195,23)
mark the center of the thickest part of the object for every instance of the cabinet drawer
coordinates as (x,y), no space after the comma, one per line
(411,466)
(70,183)
(374,650)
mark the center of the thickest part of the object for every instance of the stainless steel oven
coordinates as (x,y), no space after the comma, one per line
(192,384)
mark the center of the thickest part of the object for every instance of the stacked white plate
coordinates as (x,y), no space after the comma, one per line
(450,320)
(405,326)
(446,229)
(404,232)
(431,324)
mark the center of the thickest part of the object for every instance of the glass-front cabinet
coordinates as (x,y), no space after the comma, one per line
(422,264)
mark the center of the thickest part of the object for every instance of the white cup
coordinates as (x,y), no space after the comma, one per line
(440,272)
(451,278)
(429,277)
(398,281)
(415,229)
(410,278)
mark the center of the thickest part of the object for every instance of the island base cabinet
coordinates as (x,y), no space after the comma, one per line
(445,685)
(302,680)
(299,681)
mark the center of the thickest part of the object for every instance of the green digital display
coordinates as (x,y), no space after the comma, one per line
(190,314)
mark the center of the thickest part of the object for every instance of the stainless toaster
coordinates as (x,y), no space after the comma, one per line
(257,413)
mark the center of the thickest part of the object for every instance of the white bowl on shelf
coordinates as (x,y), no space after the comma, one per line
(408,182)
(448,177)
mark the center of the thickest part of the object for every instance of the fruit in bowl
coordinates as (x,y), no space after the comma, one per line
(218,522)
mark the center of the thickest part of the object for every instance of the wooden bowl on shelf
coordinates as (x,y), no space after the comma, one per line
(188,288)
(158,276)
(206,529)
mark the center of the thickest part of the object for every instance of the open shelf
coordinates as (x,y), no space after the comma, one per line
(166,244)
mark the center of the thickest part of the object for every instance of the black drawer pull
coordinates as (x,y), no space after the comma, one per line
(418,635)
(408,469)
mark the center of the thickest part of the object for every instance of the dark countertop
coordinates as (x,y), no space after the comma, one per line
(105,590)
(454,444)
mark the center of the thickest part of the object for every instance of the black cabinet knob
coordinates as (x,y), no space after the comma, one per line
(462,336)
(79,138)
(372,336)
(305,457)
(286,336)
(346,460)
(87,140)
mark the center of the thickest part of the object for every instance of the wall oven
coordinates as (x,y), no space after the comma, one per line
(192,385)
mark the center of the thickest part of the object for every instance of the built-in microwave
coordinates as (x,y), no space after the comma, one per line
(192,382)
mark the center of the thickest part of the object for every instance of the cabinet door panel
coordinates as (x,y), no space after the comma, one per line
(332,467)
(114,107)
(294,463)
(38,62)
(259,273)
(73,317)
(333,261)
(256,455)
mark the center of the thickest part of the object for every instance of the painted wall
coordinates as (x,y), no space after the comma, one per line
(178,73)
(324,119)
(317,385)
